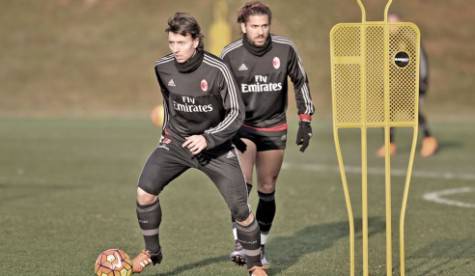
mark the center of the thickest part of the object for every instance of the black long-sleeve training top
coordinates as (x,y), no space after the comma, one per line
(262,80)
(201,100)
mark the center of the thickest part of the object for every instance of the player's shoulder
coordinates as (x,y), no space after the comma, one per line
(232,47)
(285,44)
(164,62)
(217,65)
(283,41)
(214,61)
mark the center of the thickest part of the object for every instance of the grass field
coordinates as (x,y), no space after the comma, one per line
(67,185)
(67,189)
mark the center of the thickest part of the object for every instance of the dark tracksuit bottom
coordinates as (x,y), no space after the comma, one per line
(170,159)
(221,165)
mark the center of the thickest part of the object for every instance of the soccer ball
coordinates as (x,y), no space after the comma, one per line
(113,262)
(157,115)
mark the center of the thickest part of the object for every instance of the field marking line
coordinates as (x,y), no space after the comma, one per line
(380,171)
(438,197)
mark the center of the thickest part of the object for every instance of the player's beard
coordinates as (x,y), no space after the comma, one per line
(259,40)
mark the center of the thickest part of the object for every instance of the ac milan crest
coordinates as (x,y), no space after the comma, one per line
(276,63)
(204,85)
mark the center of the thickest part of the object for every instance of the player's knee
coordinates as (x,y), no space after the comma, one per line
(247,220)
(240,213)
(144,198)
(267,185)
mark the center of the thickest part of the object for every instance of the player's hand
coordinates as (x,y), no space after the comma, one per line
(195,144)
(303,135)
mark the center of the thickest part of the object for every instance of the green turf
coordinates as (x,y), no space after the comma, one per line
(67,185)
(67,192)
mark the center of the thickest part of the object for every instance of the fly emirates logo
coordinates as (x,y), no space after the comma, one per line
(188,105)
(261,85)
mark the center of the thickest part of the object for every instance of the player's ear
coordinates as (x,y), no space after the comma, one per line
(243,28)
(196,42)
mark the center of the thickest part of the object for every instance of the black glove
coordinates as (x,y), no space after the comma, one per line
(240,145)
(303,135)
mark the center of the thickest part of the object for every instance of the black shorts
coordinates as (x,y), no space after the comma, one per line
(271,138)
(170,159)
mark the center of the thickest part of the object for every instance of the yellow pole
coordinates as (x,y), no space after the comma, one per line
(387,154)
(404,203)
(364,142)
(410,167)
(363,11)
(386,9)
(364,198)
(346,192)
(341,165)
(219,31)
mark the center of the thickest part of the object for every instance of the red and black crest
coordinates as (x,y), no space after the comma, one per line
(204,85)
(276,62)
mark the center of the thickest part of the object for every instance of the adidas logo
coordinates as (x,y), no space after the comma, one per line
(171,83)
(243,67)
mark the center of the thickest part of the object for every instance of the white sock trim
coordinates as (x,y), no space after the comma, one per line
(264,238)
(235,233)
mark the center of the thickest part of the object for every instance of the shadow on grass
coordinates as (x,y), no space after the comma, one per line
(449,145)
(287,250)
(190,266)
(442,257)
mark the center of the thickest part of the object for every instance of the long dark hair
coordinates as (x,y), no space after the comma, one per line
(183,23)
(253,8)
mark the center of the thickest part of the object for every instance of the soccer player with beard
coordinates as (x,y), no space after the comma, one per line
(261,63)
(203,113)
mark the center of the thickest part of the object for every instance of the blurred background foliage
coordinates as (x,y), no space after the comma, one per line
(95,57)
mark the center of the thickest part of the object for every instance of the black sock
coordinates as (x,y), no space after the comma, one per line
(391,135)
(265,211)
(149,217)
(423,125)
(250,239)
